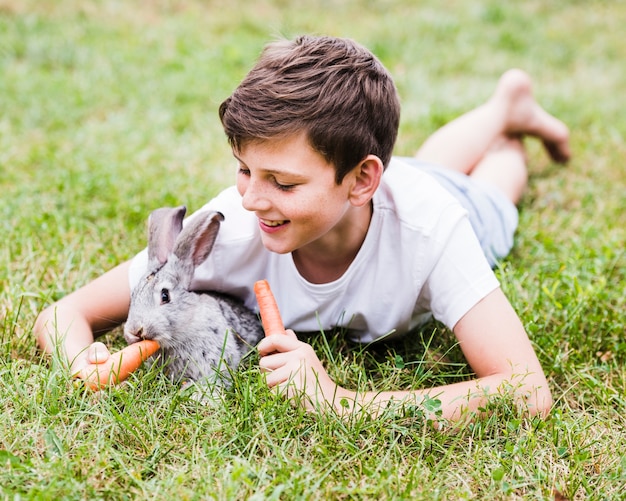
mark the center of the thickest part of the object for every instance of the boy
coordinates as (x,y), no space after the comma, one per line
(312,128)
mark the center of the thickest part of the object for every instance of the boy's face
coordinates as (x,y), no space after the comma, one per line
(292,190)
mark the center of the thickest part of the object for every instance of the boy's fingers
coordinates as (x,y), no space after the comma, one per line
(274,361)
(277,343)
(78,366)
(97,353)
(281,377)
(274,378)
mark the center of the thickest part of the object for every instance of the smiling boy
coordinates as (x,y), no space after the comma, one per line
(301,209)
(349,236)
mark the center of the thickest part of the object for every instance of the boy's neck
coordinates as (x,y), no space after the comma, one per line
(328,258)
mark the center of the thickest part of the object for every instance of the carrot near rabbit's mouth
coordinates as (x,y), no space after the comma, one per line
(119,366)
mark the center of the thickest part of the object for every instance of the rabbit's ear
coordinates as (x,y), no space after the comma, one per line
(197,238)
(164,225)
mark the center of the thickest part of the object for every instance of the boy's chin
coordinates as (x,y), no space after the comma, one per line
(276,247)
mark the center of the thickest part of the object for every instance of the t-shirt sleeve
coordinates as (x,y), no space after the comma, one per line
(138,267)
(460,277)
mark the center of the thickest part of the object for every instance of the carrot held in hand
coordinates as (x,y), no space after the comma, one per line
(119,365)
(270,316)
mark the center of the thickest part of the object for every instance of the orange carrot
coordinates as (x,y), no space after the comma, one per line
(270,316)
(119,365)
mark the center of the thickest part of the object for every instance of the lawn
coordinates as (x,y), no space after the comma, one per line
(108,109)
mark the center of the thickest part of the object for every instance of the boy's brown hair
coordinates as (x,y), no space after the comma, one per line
(333,89)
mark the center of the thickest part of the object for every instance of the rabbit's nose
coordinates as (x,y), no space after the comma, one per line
(139,333)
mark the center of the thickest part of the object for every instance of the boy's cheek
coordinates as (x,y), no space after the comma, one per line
(241,184)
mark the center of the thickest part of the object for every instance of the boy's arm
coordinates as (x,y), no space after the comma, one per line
(70,324)
(493,341)
(496,346)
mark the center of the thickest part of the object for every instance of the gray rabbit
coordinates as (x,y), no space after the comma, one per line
(203,335)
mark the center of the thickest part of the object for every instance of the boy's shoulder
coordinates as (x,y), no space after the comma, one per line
(413,195)
(238,224)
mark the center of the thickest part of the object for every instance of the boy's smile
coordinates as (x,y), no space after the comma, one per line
(292,190)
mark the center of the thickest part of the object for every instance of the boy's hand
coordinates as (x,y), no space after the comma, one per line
(293,366)
(87,362)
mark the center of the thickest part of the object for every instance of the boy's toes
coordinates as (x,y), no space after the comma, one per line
(559,152)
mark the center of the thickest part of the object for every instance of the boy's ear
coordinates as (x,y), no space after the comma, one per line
(366,179)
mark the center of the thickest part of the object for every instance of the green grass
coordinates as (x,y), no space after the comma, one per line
(108,110)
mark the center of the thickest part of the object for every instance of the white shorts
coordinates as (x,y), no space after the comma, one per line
(492,215)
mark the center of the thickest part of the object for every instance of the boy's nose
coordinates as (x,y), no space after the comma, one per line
(253,197)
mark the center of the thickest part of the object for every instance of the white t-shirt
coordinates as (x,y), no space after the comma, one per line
(420,257)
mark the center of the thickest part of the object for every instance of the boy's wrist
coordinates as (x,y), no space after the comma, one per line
(344,401)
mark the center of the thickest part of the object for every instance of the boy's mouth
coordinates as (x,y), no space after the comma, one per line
(273,224)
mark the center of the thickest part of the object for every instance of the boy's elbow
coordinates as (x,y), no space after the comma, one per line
(47,326)
(42,326)
(532,393)
(547,405)
(541,403)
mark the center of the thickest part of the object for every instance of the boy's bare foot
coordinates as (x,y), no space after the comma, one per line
(526,117)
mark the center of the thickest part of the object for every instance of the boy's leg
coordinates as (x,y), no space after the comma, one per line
(511,111)
(504,166)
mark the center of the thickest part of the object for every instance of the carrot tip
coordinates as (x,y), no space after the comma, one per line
(268,309)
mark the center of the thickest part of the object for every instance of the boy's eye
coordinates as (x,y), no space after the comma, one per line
(284,187)
(281,186)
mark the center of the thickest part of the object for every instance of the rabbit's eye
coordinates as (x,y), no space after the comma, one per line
(165,296)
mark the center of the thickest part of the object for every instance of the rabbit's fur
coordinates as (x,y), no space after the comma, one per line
(203,335)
